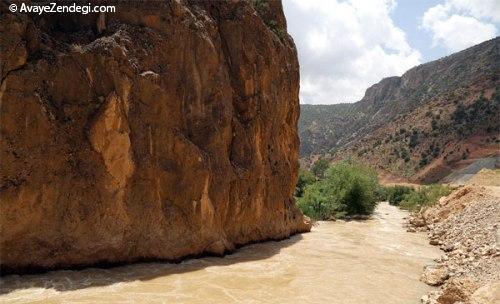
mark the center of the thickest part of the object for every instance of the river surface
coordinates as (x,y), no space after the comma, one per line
(373,261)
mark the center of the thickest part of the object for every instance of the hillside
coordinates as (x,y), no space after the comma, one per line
(320,127)
(437,116)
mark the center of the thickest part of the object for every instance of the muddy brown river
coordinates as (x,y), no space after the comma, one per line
(373,261)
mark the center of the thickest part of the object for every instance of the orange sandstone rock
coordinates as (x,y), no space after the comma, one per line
(164,130)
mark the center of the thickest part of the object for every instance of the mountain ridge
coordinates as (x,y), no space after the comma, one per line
(335,131)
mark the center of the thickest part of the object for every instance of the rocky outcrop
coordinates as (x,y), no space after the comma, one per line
(394,96)
(164,130)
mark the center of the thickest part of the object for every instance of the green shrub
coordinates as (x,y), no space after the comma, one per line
(396,194)
(413,140)
(380,193)
(347,189)
(405,155)
(319,167)
(425,196)
(305,178)
(423,162)
(316,202)
(434,124)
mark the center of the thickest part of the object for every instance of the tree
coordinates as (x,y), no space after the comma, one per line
(413,139)
(305,178)
(319,168)
(347,189)
(397,193)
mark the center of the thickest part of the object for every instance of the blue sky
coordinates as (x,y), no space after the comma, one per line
(345,46)
(408,16)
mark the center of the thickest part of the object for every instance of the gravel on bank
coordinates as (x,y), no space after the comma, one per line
(465,226)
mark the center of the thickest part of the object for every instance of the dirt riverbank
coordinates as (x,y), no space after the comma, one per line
(465,226)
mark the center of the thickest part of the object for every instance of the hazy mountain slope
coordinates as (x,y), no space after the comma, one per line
(320,126)
(405,124)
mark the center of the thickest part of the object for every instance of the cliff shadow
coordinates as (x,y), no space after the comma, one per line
(67,280)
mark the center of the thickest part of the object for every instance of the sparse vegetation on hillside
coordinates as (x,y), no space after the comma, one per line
(411,145)
(482,113)
(321,126)
(409,130)
(347,189)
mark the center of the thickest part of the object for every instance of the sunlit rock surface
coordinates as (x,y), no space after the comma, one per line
(164,130)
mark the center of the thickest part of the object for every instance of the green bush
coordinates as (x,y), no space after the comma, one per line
(305,178)
(405,155)
(423,161)
(319,168)
(413,139)
(347,189)
(425,196)
(396,194)
(380,193)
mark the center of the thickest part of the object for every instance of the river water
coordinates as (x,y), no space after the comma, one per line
(373,261)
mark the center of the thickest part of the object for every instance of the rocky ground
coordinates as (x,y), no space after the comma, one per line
(465,225)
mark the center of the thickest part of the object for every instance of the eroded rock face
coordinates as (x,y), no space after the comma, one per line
(164,130)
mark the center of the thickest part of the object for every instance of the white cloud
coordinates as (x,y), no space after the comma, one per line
(458,24)
(346,46)
(484,9)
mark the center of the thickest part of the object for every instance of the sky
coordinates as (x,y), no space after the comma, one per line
(345,46)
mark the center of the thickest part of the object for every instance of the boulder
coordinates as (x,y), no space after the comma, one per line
(434,275)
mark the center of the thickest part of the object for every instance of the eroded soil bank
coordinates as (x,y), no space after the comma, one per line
(373,261)
(464,225)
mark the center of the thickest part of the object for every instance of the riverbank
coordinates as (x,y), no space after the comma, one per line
(465,226)
(338,262)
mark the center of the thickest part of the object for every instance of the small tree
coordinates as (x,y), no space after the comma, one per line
(405,155)
(347,189)
(305,178)
(423,161)
(319,168)
(413,140)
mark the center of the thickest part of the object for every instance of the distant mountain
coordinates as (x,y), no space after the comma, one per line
(417,126)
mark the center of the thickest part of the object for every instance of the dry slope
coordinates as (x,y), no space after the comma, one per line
(465,226)
(422,125)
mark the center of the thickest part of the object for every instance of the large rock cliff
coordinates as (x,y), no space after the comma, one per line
(164,130)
